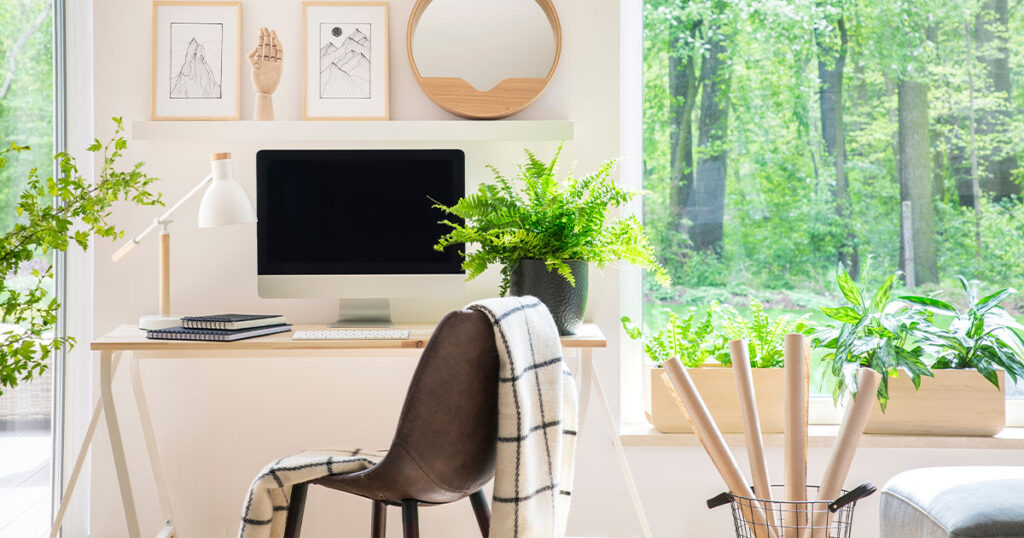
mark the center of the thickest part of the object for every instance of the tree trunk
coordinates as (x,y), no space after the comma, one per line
(990,34)
(683,85)
(706,205)
(831,62)
(916,179)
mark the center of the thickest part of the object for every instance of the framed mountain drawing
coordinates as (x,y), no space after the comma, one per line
(196,60)
(345,72)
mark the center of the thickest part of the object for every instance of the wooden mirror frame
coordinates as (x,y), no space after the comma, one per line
(459,97)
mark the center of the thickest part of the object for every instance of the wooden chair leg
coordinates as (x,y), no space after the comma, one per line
(410,519)
(483,514)
(296,506)
(379,520)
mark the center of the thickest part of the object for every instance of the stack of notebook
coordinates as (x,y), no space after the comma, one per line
(222,328)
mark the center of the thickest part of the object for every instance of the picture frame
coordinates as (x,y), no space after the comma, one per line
(197,60)
(345,74)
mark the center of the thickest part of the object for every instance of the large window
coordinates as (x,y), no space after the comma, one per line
(26,117)
(782,138)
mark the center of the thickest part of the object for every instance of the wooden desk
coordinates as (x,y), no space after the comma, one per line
(128,342)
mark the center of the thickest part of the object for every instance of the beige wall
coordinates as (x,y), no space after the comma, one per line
(219,421)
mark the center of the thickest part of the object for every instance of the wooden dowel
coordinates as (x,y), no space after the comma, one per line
(165,274)
(751,424)
(795,443)
(850,431)
(710,437)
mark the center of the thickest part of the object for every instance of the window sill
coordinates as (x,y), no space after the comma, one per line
(824,436)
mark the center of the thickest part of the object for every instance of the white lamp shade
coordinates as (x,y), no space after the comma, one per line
(225,202)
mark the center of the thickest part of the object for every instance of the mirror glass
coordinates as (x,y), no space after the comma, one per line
(484,41)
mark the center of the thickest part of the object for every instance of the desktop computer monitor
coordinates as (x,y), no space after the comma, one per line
(357,225)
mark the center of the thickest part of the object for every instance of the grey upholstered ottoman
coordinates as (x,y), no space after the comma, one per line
(954,502)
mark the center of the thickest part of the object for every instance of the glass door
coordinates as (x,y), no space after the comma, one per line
(27,117)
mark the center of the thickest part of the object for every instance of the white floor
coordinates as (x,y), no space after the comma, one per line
(24,483)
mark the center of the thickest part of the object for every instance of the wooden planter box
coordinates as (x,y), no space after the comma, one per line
(954,402)
(717,387)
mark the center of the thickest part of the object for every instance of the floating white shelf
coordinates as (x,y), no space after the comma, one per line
(352,131)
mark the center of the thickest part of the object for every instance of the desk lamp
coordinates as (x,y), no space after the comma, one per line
(225,202)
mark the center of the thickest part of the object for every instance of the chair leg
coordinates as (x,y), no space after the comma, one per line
(410,519)
(483,514)
(296,506)
(379,520)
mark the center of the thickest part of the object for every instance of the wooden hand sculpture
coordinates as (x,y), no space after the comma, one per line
(266,61)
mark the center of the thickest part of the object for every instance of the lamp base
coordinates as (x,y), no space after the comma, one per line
(158,321)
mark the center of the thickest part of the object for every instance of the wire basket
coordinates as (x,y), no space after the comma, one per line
(791,518)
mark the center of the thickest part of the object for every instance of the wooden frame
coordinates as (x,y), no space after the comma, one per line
(305,61)
(459,97)
(157,4)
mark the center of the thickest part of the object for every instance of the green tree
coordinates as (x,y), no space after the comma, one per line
(26,94)
(42,227)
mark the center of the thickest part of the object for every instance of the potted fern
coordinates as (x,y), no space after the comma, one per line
(700,342)
(545,234)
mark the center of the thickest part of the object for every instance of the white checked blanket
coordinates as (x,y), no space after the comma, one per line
(537,421)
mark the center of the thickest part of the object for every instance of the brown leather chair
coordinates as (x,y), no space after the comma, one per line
(445,445)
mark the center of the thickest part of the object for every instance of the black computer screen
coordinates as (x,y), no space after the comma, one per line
(349,212)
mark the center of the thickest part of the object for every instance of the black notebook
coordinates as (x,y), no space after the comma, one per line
(214,335)
(230,322)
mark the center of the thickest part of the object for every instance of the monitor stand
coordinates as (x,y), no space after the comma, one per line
(363,313)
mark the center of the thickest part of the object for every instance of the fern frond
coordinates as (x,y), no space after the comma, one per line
(548,221)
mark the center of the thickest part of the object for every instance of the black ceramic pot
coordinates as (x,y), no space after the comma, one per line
(566,302)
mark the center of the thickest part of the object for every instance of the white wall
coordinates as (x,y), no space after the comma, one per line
(219,421)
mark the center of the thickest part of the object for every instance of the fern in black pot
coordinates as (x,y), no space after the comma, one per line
(545,234)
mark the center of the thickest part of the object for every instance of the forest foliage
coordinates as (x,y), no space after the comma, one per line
(26,95)
(784,136)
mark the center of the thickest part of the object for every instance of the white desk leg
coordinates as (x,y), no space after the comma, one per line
(588,376)
(155,464)
(69,489)
(586,372)
(117,445)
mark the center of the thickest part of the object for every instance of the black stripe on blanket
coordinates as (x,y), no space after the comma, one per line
(522,306)
(519,438)
(520,499)
(551,362)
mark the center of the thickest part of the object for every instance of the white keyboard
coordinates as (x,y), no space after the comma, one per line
(352,334)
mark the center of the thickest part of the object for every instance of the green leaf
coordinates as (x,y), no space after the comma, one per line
(848,287)
(633,332)
(930,303)
(843,314)
(967,289)
(991,301)
(881,297)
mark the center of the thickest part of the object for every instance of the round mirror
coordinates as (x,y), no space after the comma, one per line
(483,59)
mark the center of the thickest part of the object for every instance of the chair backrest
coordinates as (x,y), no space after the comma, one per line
(448,425)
